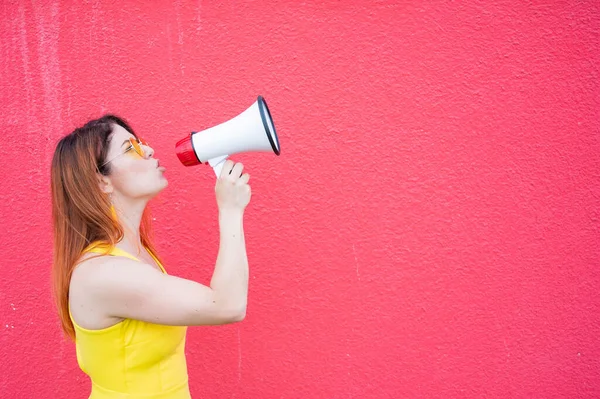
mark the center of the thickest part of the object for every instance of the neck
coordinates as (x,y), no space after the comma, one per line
(129,213)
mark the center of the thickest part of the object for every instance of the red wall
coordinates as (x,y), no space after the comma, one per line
(430,229)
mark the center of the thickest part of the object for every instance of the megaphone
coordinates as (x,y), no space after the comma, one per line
(252,130)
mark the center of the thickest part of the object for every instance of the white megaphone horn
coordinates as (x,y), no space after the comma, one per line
(252,130)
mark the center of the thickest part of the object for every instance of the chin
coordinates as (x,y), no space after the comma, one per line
(159,187)
(164,183)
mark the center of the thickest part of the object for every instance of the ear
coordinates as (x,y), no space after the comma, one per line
(104,183)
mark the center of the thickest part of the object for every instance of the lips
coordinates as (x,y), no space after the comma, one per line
(160,168)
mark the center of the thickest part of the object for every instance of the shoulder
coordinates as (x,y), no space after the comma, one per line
(101,283)
(99,275)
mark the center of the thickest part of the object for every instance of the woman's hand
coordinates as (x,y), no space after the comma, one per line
(232,189)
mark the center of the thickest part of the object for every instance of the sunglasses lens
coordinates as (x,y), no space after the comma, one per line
(136,146)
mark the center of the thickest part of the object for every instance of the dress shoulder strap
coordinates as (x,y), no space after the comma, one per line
(105,249)
(101,248)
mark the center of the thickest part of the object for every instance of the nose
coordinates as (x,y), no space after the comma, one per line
(148,151)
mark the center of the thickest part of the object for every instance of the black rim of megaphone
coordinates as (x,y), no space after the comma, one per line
(263,107)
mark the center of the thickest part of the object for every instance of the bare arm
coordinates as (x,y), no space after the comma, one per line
(123,288)
(230,278)
(120,287)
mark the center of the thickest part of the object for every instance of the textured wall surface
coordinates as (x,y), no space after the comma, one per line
(430,229)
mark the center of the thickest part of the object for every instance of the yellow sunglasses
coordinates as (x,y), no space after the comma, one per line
(135,144)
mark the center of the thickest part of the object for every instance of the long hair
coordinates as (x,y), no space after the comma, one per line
(81,212)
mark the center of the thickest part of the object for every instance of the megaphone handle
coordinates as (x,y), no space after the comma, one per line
(217,164)
(218,168)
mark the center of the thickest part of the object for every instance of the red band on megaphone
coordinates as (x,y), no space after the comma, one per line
(185,151)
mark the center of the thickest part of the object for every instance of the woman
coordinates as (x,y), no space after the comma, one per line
(127,316)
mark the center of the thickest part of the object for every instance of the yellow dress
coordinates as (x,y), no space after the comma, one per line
(133,359)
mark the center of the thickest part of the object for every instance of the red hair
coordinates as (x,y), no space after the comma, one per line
(81,212)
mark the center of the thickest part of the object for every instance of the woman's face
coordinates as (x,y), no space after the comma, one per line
(132,175)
